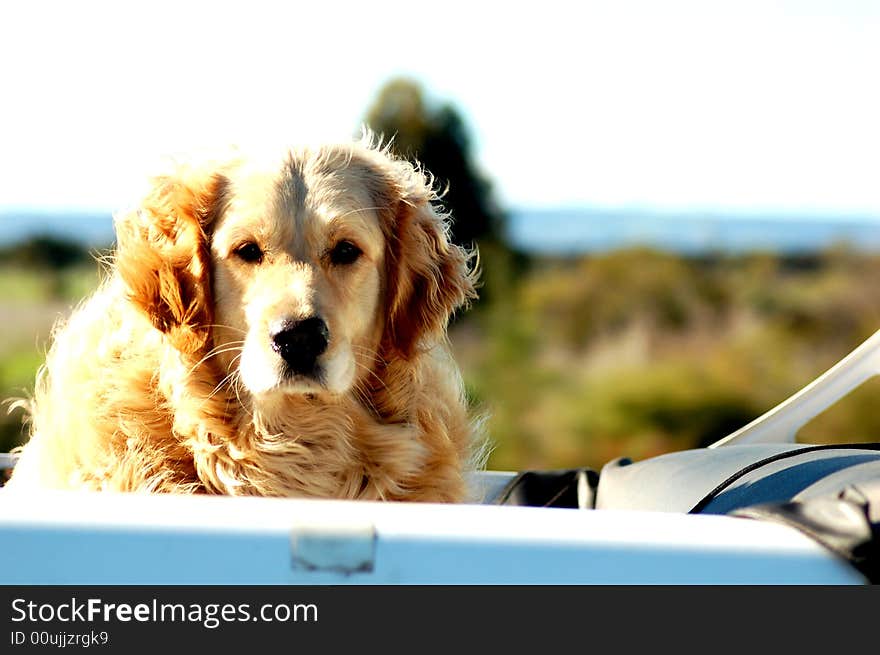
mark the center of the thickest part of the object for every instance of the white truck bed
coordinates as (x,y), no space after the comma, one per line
(103,538)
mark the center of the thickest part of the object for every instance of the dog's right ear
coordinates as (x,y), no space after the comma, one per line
(163,254)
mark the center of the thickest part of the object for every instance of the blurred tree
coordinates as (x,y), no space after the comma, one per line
(437,137)
(45,252)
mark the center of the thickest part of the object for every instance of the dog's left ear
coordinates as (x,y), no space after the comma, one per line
(428,276)
(163,254)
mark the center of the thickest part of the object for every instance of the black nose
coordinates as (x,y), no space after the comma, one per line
(300,343)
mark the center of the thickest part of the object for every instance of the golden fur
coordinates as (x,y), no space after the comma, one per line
(164,380)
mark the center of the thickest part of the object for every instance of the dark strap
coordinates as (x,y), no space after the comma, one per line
(571,488)
(701,505)
(846,524)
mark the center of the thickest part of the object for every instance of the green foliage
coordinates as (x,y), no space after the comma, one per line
(17,371)
(639,352)
(599,296)
(34,286)
(35,290)
(44,252)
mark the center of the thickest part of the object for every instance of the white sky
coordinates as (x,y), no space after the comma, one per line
(758,106)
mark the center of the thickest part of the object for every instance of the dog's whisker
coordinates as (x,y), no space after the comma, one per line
(225,381)
(364,349)
(369,353)
(224,345)
(360,392)
(374,374)
(221,383)
(236,387)
(228,327)
(232,381)
(219,350)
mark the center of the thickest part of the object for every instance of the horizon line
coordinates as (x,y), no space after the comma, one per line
(718,212)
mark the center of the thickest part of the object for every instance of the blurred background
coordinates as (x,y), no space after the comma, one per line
(677,204)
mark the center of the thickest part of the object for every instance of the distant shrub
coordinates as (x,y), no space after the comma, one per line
(639,352)
(45,252)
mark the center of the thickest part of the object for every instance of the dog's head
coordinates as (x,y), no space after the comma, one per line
(298,275)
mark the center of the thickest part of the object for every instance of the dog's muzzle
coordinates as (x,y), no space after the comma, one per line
(300,343)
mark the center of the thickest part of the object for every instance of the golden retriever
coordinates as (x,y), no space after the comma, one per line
(268,327)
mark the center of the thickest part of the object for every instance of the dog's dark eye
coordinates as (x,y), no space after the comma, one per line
(249,252)
(345,252)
